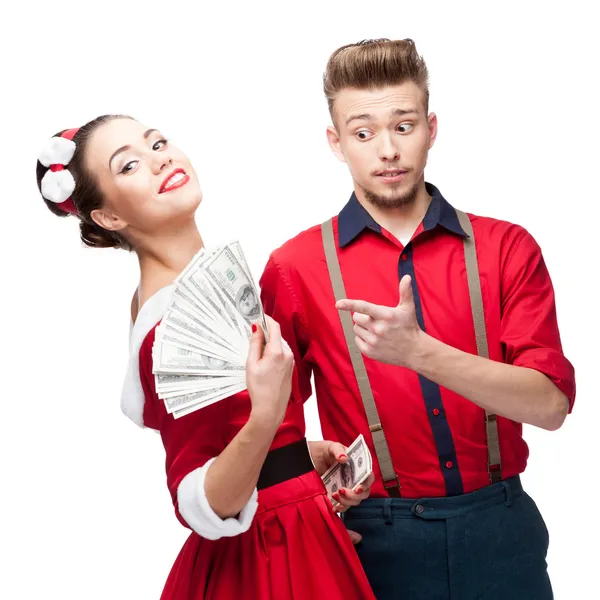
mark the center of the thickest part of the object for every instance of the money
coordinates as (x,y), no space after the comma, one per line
(201,344)
(229,276)
(351,474)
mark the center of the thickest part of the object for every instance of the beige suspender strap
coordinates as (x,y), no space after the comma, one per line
(390,480)
(491,424)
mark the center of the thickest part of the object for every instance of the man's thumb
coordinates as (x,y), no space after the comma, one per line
(406,293)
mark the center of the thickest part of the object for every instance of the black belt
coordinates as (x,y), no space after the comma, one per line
(285,463)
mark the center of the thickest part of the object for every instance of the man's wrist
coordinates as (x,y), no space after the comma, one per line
(420,353)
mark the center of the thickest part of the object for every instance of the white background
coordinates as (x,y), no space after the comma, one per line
(85,511)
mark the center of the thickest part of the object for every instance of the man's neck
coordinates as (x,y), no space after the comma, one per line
(401,221)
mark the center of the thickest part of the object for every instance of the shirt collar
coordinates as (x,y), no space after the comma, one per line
(354,218)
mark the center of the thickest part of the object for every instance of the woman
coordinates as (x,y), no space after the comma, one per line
(239,471)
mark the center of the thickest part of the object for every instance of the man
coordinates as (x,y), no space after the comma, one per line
(451,345)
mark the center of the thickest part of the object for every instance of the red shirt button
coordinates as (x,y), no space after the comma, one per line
(449,464)
(436,411)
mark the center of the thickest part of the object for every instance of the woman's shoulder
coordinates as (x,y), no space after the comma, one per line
(133,395)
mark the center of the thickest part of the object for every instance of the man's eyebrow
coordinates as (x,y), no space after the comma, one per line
(362,117)
(397,112)
(401,112)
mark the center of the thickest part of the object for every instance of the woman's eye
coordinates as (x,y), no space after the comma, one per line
(362,135)
(159,144)
(129,166)
(405,127)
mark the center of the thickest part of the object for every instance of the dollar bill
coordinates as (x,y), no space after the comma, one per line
(174,337)
(175,379)
(230,277)
(212,383)
(239,323)
(206,401)
(186,298)
(196,282)
(198,382)
(170,358)
(181,316)
(202,397)
(351,474)
(201,345)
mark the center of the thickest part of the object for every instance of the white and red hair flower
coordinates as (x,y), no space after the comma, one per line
(58,184)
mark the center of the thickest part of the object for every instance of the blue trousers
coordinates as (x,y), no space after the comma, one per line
(490,544)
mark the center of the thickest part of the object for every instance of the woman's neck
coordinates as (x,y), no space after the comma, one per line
(164,259)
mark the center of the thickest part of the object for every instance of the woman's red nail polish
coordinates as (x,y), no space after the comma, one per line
(254,328)
(342,456)
(336,497)
(359,490)
(342,492)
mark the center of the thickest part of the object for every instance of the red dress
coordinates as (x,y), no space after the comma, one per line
(294,546)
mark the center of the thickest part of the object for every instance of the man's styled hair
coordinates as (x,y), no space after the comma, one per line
(372,64)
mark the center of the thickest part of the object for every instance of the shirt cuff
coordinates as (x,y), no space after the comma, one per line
(201,518)
(554,365)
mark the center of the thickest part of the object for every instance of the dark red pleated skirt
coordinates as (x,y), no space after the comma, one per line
(296,549)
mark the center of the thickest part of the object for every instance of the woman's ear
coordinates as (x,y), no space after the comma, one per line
(107,220)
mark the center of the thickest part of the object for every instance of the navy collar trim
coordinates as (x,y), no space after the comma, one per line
(354,218)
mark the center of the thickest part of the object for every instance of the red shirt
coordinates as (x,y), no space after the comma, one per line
(437,439)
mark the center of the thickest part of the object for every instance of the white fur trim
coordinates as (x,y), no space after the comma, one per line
(198,514)
(57,151)
(57,186)
(132,395)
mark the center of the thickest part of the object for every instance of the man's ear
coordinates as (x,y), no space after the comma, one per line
(334,143)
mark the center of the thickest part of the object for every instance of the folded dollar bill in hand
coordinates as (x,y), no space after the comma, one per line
(351,474)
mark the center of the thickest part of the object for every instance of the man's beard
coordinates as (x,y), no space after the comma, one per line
(393,201)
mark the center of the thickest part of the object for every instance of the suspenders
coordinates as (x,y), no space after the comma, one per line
(491,423)
(390,479)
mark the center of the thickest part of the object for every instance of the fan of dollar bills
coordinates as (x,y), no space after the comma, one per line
(202,342)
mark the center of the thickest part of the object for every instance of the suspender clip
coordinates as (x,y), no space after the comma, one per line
(392,487)
(495,472)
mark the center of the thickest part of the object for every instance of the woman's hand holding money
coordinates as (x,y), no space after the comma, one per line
(345,498)
(269,371)
(231,478)
(325,454)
